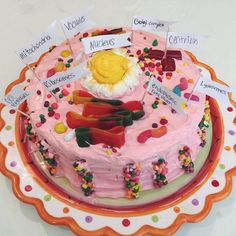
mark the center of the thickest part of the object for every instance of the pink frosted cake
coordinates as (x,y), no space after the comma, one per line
(102,132)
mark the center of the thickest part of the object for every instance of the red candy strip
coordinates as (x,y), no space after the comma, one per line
(75,120)
(151,133)
(114,137)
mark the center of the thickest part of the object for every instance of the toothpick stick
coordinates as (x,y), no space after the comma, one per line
(190,95)
(21,112)
(168,29)
(68,41)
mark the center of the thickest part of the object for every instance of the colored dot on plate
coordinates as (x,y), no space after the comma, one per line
(125,222)
(215,183)
(66,210)
(195,202)
(230,109)
(227,148)
(222,166)
(155,218)
(8,127)
(88,219)
(13,164)
(12,111)
(176,209)
(10,144)
(231,132)
(28,188)
(47,198)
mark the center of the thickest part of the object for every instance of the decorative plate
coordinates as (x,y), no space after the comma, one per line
(191,204)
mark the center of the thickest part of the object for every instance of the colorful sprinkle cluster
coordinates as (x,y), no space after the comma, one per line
(157,102)
(186,160)
(49,159)
(109,149)
(204,124)
(85,175)
(160,170)
(28,129)
(131,177)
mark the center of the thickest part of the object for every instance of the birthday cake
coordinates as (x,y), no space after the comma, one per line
(104,132)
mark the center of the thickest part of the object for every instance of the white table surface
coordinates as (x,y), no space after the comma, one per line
(22,20)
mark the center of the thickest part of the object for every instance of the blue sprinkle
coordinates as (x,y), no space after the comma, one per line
(176,90)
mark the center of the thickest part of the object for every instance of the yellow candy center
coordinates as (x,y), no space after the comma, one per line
(108,68)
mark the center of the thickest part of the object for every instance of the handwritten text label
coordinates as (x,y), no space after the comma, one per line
(212,88)
(174,101)
(32,51)
(102,42)
(15,97)
(149,24)
(183,40)
(66,77)
(72,25)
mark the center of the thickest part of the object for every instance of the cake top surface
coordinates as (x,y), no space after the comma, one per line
(128,71)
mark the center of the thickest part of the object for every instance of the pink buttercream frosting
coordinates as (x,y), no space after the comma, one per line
(108,168)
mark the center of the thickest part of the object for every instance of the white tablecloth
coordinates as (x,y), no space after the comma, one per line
(22,20)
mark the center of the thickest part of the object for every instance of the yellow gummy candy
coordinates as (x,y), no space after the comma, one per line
(60,128)
(59,66)
(65,53)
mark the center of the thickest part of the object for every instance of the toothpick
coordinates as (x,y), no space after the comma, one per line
(144,95)
(168,29)
(68,42)
(21,112)
(190,95)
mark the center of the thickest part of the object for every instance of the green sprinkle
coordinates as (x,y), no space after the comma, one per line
(222,166)
(155,218)
(147,73)
(154,106)
(147,83)
(8,127)
(60,96)
(67,65)
(41,116)
(154,43)
(146,50)
(47,198)
(70,60)
(50,109)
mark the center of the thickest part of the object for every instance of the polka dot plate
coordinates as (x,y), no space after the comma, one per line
(164,218)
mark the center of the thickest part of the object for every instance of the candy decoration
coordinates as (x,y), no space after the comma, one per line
(49,159)
(60,128)
(204,124)
(183,84)
(65,53)
(176,54)
(82,97)
(51,72)
(160,170)
(186,160)
(177,90)
(151,133)
(114,137)
(69,136)
(30,135)
(155,54)
(75,120)
(131,178)
(59,66)
(168,64)
(86,177)
(192,98)
(154,43)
